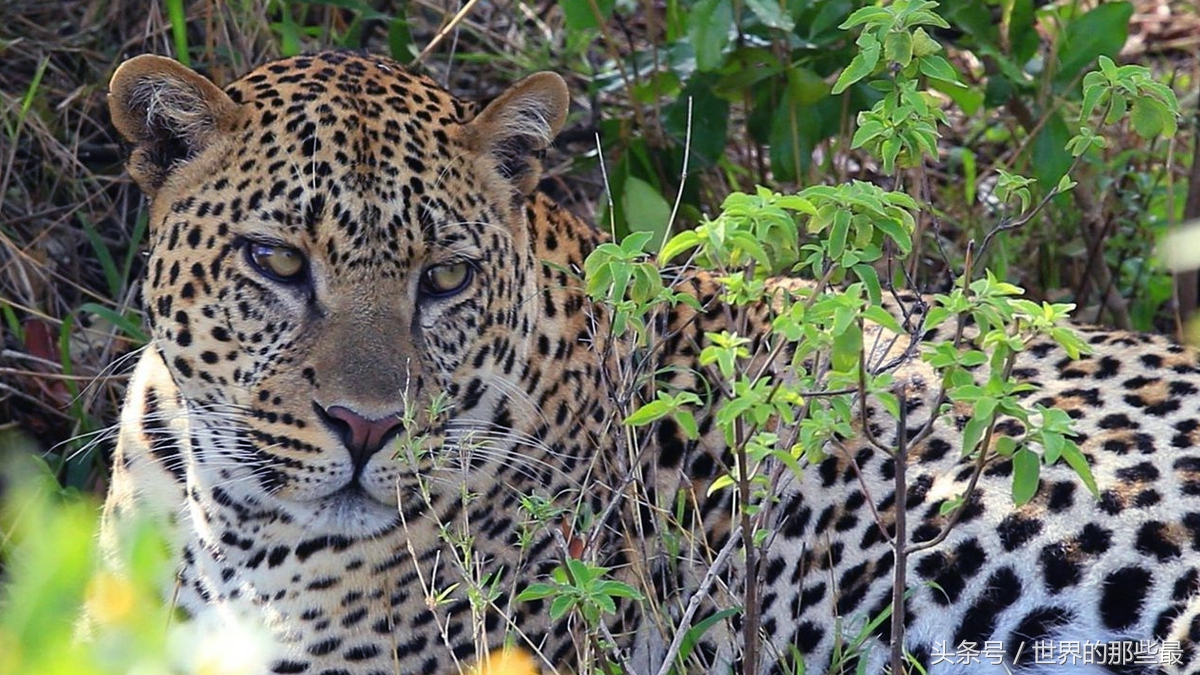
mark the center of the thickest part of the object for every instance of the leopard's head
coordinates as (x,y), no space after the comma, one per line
(340,270)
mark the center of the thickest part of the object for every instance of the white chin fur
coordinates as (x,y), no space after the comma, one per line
(353,513)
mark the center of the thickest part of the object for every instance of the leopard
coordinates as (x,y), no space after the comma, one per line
(376,395)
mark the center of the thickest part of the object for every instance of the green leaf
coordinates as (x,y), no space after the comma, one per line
(537,591)
(579,15)
(1101,31)
(688,644)
(806,86)
(889,151)
(1052,446)
(867,131)
(934,318)
(635,243)
(1065,183)
(771,13)
(923,45)
(790,134)
(289,34)
(862,65)
(1119,107)
(1070,341)
(847,348)
(890,403)
(1078,462)
(605,605)
(1095,92)
(1023,36)
(974,19)
(923,16)
(648,413)
(870,280)
(883,317)
(973,434)
(1026,468)
(1005,446)
(971,358)
(875,15)
(1151,118)
(560,606)
(950,505)
(937,68)
(687,421)
(898,48)
(838,233)
(645,208)
(897,233)
(617,589)
(400,40)
(721,482)
(131,328)
(1050,157)
(708,28)
(684,241)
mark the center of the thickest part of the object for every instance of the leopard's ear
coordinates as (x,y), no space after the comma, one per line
(169,114)
(519,124)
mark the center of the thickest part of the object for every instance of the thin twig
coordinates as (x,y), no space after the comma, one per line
(899,580)
(710,578)
(683,174)
(441,34)
(612,217)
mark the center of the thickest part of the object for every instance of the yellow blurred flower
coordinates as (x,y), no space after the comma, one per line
(110,598)
(507,661)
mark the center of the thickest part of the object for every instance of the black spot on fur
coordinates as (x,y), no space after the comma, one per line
(1002,590)
(1124,591)
(1153,540)
(1037,626)
(1015,531)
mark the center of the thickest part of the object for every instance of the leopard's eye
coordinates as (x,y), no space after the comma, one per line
(442,281)
(281,263)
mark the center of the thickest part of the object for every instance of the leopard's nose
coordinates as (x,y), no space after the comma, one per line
(363,437)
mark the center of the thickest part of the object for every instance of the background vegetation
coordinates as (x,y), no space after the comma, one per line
(676,104)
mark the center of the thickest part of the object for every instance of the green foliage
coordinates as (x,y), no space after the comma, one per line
(49,543)
(893,40)
(862,221)
(733,81)
(1006,325)
(757,230)
(667,404)
(1152,106)
(623,275)
(1096,33)
(582,587)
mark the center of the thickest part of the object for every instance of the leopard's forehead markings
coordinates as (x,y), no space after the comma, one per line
(370,88)
(349,153)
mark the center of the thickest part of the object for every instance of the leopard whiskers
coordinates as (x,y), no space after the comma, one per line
(504,447)
(513,393)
